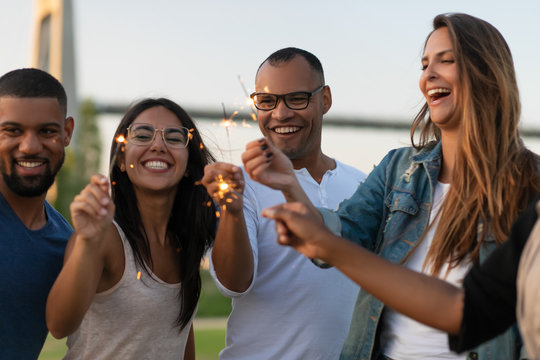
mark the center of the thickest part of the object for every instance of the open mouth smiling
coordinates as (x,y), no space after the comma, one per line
(286,129)
(438,93)
(157,165)
(29,164)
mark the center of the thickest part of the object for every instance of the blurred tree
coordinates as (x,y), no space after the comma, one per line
(82,158)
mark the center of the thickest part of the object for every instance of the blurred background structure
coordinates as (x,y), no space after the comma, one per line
(204,55)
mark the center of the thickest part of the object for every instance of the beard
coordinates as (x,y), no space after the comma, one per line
(31,186)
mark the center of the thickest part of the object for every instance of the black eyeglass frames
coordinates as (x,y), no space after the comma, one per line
(298,100)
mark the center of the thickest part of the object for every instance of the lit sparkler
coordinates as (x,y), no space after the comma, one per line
(249,100)
(121,141)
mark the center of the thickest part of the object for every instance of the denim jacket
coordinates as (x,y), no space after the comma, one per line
(388,214)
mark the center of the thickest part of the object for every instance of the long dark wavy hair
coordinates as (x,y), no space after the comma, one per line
(192,222)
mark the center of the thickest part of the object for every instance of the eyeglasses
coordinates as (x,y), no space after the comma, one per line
(176,137)
(298,100)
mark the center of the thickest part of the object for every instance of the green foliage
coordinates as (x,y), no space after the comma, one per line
(211,302)
(82,158)
(208,343)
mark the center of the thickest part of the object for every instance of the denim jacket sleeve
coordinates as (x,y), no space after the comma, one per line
(358,218)
(391,206)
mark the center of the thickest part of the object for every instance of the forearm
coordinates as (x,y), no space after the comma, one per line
(74,289)
(426,299)
(232,255)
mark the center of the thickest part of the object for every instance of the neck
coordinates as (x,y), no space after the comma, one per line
(317,165)
(30,210)
(449,150)
(155,210)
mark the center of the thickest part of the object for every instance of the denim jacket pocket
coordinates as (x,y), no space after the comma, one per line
(402,219)
(401,201)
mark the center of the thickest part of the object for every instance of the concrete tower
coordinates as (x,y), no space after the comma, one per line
(53,49)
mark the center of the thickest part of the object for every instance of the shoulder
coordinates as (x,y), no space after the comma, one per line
(348,170)
(57,221)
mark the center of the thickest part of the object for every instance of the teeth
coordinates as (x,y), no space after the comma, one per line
(438,91)
(156,165)
(286,130)
(29,164)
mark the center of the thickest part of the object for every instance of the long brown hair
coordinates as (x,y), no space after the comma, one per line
(494,175)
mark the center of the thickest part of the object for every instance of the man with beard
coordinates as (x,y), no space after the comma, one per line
(34,130)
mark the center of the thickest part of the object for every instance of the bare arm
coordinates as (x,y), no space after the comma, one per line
(426,299)
(189,352)
(232,255)
(74,289)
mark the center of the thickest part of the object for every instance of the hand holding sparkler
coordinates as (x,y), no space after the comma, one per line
(92,210)
(225,183)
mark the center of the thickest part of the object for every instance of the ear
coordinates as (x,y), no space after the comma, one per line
(326,99)
(69,124)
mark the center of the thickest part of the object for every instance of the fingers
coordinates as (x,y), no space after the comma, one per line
(284,235)
(94,199)
(223,181)
(101,181)
(293,220)
(257,156)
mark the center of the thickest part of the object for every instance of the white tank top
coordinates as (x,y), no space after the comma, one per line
(403,338)
(135,319)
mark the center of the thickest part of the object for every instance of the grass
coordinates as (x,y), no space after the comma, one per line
(208,341)
(53,349)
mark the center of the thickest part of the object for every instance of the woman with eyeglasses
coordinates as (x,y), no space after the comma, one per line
(437,207)
(130,282)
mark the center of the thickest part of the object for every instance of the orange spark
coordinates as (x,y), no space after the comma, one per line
(138,275)
(120,139)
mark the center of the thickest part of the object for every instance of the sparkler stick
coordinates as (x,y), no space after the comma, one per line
(227,122)
(251,106)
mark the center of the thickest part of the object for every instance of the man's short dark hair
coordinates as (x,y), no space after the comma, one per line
(287,54)
(29,83)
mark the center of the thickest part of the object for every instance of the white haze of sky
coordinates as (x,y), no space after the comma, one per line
(194,51)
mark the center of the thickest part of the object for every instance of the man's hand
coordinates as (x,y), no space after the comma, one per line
(268,165)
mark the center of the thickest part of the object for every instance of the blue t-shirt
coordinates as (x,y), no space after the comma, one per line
(29,264)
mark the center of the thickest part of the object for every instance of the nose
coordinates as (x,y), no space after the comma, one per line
(158,143)
(281,111)
(30,143)
(429,73)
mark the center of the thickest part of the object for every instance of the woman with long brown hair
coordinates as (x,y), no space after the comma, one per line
(442,204)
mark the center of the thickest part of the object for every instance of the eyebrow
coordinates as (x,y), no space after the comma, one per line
(16,124)
(439,54)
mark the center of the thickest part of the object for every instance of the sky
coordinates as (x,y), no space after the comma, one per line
(195,51)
